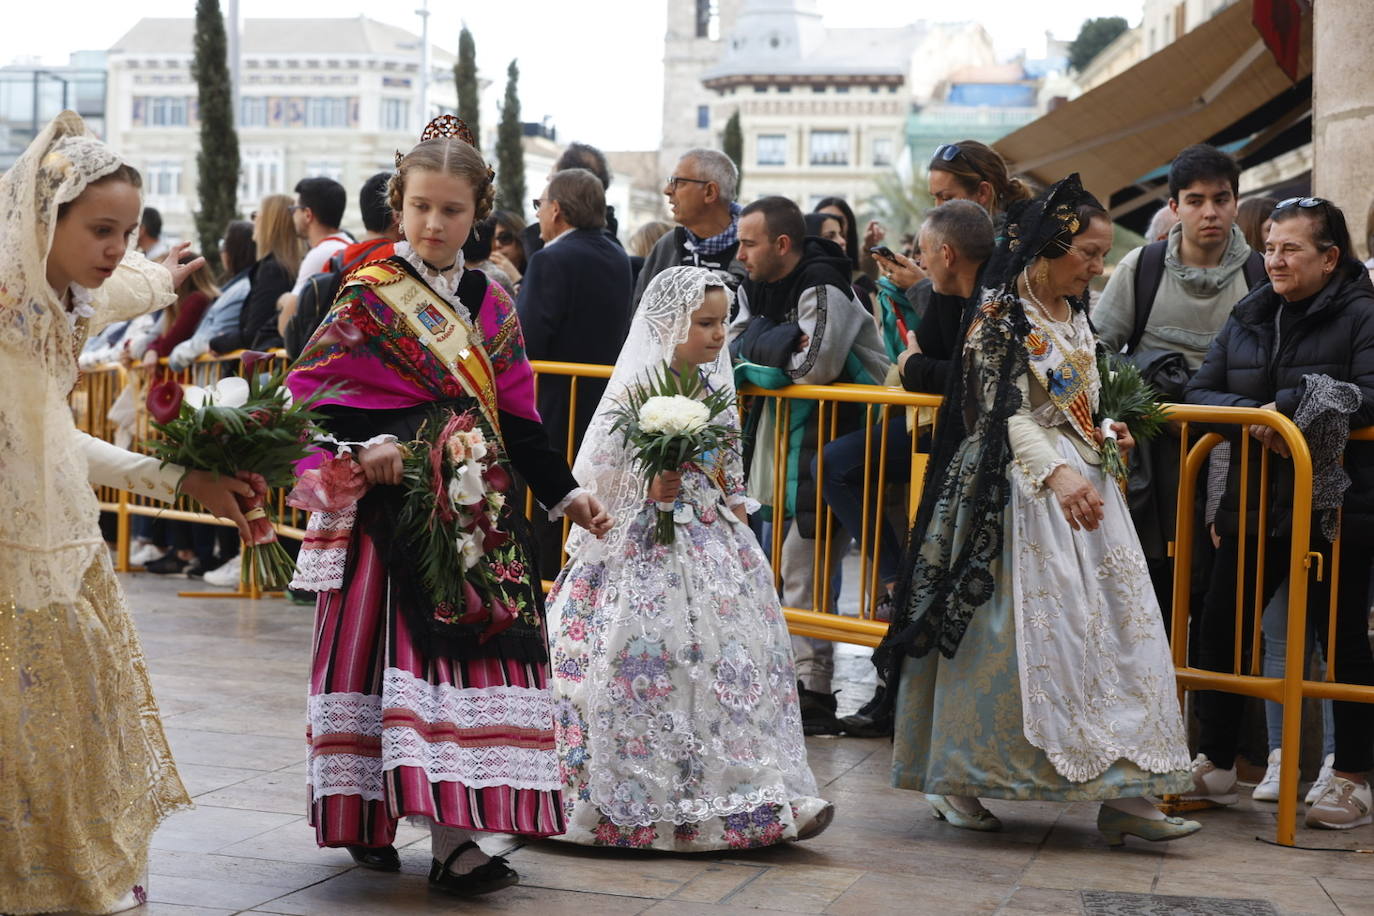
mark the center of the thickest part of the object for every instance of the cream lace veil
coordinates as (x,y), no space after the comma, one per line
(604,463)
(49,530)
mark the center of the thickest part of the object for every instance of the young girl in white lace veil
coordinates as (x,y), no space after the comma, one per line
(676,697)
(85,770)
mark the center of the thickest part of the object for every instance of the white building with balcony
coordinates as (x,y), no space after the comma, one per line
(333,97)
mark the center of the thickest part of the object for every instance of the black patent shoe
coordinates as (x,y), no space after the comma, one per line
(491,875)
(377,858)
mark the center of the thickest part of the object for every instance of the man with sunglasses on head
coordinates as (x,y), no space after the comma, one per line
(1162,307)
(701,195)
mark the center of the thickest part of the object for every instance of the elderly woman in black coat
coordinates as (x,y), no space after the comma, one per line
(1303,345)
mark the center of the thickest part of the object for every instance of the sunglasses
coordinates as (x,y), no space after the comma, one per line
(538,202)
(1304,202)
(947,152)
(504,238)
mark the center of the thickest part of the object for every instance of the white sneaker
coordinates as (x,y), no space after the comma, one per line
(1211,783)
(1323,781)
(145,553)
(226,575)
(1268,788)
(1343,805)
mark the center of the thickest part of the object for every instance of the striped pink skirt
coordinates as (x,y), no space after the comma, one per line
(394,734)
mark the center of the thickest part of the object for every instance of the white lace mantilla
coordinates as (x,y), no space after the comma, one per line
(445,284)
(497,764)
(1097,680)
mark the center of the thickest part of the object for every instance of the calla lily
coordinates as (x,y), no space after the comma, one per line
(497,477)
(196,397)
(345,333)
(250,358)
(231,392)
(164,400)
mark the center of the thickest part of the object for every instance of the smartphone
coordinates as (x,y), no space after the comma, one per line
(883,251)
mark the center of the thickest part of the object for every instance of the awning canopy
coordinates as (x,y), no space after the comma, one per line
(1199,87)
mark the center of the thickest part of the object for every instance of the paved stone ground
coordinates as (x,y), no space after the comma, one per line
(230,676)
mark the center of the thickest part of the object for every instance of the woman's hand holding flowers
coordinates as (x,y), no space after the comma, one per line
(1078,498)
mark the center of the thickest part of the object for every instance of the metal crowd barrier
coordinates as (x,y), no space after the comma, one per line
(99,389)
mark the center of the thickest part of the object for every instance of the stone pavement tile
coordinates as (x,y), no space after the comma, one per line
(208,829)
(295,842)
(152,908)
(257,716)
(716,882)
(199,778)
(805,890)
(284,876)
(254,752)
(1041,901)
(688,908)
(1355,898)
(1295,895)
(201,691)
(356,893)
(1249,857)
(234,895)
(1126,869)
(625,873)
(879,895)
(280,791)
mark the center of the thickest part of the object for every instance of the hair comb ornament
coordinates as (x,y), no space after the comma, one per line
(447,125)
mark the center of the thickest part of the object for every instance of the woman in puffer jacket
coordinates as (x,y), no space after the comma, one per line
(1303,345)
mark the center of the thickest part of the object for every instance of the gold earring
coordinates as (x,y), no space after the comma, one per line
(1042,274)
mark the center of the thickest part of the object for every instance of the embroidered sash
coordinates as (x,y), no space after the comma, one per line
(425,315)
(1068,373)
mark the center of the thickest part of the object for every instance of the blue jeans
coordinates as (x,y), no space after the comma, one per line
(843,484)
(1274,626)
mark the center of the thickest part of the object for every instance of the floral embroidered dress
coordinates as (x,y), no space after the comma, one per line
(410,712)
(676,696)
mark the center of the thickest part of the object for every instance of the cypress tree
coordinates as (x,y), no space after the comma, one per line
(732,142)
(465,76)
(510,152)
(218,159)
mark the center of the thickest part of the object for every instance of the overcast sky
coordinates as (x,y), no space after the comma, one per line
(594,67)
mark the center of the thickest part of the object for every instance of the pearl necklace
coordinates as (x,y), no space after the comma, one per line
(1070,330)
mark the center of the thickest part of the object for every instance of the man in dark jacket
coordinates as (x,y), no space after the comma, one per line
(1308,331)
(576,156)
(798,316)
(574,307)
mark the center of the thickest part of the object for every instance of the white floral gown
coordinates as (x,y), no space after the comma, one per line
(675,692)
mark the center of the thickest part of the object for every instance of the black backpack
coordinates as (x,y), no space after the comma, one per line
(1149,271)
(317,298)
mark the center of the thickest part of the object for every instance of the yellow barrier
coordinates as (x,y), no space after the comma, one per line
(98,390)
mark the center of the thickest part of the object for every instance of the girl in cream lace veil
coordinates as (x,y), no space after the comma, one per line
(676,696)
(87,774)
(604,463)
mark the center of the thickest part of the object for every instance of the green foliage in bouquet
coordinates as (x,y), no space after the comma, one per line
(1125,398)
(667,420)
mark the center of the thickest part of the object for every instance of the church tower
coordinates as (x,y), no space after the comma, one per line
(692,45)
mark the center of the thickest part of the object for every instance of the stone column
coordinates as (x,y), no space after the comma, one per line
(1343,111)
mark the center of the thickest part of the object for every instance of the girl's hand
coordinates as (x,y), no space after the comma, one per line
(501,261)
(740,514)
(180,272)
(216,493)
(381,463)
(586,510)
(150,360)
(874,233)
(1078,499)
(665,487)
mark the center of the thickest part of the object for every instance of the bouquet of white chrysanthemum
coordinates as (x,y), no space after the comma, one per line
(1125,398)
(667,420)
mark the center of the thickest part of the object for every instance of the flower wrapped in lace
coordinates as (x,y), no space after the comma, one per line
(248,427)
(455,481)
(1125,398)
(667,421)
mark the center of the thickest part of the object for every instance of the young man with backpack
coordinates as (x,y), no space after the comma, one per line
(317,296)
(1162,307)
